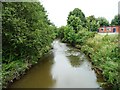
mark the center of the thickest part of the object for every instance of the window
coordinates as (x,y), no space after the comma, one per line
(114,29)
(108,29)
(102,29)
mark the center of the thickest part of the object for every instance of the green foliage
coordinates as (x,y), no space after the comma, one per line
(92,23)
(69,35)
(103,21)
(27,35)
(116,20)
(76,19)
(83,35)
(13,70)
(103,51)
(61,32)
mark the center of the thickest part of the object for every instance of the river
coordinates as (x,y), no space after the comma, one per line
(63,67)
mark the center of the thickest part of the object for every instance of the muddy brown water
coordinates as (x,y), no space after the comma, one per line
(64,67)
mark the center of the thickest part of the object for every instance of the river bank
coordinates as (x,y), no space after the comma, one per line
(103,50)
(65,67)
(75,62)
(17,69)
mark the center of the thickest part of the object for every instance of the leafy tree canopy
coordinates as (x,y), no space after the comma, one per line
(92,23)
(103,21)
(76,19)
(24,25)
(116,20)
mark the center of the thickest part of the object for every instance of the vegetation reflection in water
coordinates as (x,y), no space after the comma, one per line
(65,67)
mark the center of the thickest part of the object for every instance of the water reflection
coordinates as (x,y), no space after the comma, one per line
(74,57)
(38,76)
(71,69)
(74,60)
(65,67)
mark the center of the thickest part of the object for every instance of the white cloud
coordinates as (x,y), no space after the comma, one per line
(58,10)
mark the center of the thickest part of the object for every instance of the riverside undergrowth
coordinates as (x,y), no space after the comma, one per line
(104,53)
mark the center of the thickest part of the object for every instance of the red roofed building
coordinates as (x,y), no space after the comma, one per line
(109,29)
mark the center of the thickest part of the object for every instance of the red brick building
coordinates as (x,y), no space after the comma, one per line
(109,29)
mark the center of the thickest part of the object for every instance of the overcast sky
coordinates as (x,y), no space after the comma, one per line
(58,10)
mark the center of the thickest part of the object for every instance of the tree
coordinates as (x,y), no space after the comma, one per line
(103,21)
(24,25)
(61,32)
(92,23)
(76,19)
(116,20)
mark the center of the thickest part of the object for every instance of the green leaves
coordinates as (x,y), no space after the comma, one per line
(104,54)
(27,35)
(92,23)
(116,20)
(76,19)
(103,21)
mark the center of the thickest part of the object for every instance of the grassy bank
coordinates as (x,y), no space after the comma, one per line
(103,51)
